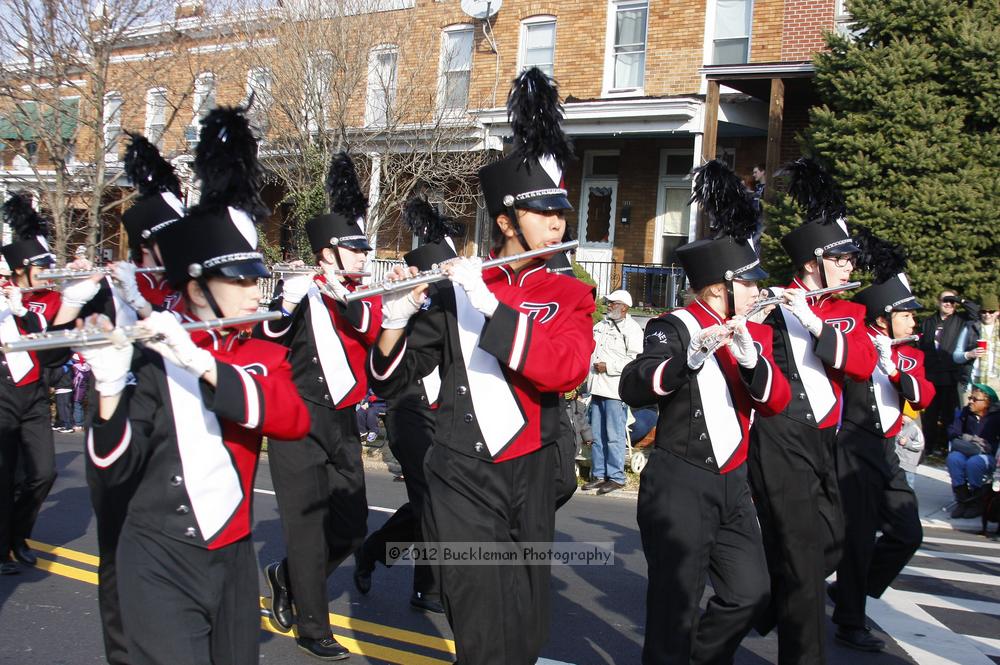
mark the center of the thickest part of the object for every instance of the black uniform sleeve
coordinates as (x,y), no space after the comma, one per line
(418,352)
(659,370)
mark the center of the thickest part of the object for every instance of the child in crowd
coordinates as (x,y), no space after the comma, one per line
(910,445)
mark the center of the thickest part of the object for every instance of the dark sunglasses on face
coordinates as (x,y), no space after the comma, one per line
(977,399)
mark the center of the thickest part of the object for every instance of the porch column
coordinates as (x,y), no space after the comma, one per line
(709,141)
(775,116)
(374,189)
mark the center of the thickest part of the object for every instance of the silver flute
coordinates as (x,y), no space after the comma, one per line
(288,269)
(761,305)
(437,274)
(87,337)
(905,340)
(712,343)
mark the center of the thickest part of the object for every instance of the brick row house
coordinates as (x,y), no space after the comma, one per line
(651,89)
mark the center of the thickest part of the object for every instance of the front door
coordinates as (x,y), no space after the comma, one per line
(597,219)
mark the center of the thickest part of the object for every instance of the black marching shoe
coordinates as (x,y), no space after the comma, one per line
(9,568)
(363,569)
(325,648)
(281,599)
(420,601)
(593,484)
(609,486)
(24,554)
(859,638)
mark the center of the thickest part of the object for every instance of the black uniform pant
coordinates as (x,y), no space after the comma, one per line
(25,437)
(876,497)
(794,482)
(410,424)
(696,524)
(565,454)
(937,416)
(498,614)
(186,605)
(319,482)
(64,409)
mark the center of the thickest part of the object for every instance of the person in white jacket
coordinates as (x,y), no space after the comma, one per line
(618,340)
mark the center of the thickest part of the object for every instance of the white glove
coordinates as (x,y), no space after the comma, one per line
(295,288)
(79,292)
(741,345)
(884,347)
(110,363)
(12,298)
(800,308)
(699,348)
(468,273)
(336,288)
(123,273)
(398,307)
(175,344)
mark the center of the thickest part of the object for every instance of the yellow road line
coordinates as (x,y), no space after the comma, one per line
(81,557)
(368,649)
(57,568)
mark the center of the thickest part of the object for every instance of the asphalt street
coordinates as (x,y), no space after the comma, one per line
(945,608)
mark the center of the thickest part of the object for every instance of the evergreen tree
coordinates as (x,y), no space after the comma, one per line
(908,124)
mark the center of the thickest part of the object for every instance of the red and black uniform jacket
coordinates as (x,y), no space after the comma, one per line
(876,405)
(705,414)
(191,450)
(817,367)
(329,344)
(500,377)
(26,369)
(157,291)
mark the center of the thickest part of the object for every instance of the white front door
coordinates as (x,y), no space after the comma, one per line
(597,219)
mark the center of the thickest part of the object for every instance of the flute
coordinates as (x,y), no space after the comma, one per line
(87,337)
(438,274)
(905,340)
(287,269)
(777,300)
(69,273)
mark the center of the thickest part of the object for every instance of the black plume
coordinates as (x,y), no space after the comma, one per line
(146,168)
(23,220)
(346,197)
(728,202)
(225,162)
(814,190)
(426,222)
(534,112)
(880,257)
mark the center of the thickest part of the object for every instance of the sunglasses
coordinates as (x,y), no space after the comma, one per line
(988,311)
(977,399)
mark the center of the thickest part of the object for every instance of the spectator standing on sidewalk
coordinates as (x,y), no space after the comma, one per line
(61,380)
(910,445)
(81,386)
(982,346)
(618,340)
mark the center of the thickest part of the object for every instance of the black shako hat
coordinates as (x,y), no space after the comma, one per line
(218,236)
(158,204)
(890,289)
(434,232)
(824,230)
(729,254)
(29,245)
(344,224)
(531,177)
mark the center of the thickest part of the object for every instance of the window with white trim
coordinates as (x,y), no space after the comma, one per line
(156,115)
(625,66)
(204,96)
(538,44)
(731,38)
(843,20)
(112,124)
(456,68)
(319,70)
(673,214)
(258,89)
(382,62)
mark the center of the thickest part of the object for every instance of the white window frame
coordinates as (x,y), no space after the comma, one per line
(317,89)
(609,89)
(111,140)
(522,48)
(202,96)
(371,120)
(664,182)
(711,32)
(444,68)
(842,20)
(156,139)
(258,113)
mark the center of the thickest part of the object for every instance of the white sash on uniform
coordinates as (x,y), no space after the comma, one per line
(340,379)
(814,378)
(19,363)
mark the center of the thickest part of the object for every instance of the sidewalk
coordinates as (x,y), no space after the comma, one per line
(935,500)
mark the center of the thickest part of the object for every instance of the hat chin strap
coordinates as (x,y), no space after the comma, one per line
(730,299)
(517,228)
(203,283)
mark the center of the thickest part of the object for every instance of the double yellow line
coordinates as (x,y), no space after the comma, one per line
(363,648)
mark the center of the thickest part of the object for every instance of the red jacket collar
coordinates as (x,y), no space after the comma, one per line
(705,315)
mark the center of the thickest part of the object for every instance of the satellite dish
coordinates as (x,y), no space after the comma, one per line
(481,9)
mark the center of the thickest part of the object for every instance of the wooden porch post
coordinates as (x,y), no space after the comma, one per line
(775,116)
(709,140)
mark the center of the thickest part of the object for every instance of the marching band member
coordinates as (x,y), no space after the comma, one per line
(409,421)
(695,512)
(187,434)
(507,340)
(873,488)
(818,343)
(319,479)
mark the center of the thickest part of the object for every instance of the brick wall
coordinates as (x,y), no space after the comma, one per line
(766,33)
(803,26)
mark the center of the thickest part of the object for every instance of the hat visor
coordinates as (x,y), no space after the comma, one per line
(907,306)
(243,269)
(846,248)
(44,261)
(545,203)
(753,274)
(362,244)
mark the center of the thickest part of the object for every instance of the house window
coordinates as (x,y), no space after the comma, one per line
(456,68)
(731,44)
(319,68)
(673,214)
(259,81)
(204,96)
(598,198)
(538,44)
(843,19)
(382,62)
(627,39)
(112,124)
(156,115)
